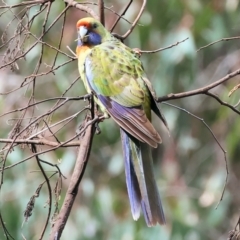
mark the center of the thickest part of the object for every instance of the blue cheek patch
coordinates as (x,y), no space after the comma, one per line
(94,38)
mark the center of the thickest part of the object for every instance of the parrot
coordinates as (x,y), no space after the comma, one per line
(114,74)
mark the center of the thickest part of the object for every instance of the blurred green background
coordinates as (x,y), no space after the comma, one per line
(190,167)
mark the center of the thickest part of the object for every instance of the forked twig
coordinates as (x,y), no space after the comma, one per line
(135,21)
(92,122)
(121,15)
(203,90)
(34,149)
(222,102)
(81,7)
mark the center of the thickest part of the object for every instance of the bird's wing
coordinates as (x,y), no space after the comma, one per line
(115,75)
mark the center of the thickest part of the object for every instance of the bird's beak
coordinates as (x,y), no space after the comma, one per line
(83,33)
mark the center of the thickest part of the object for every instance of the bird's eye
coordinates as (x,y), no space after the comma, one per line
(94,25)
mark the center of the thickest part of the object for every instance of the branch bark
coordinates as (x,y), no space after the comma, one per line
(202,90)
(41,141)
(83,155)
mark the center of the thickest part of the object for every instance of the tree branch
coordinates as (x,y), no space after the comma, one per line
(202,90)
(221,40)
(82,8)
(135,21)
(121,15)
(82,159)
(34,149)
(222,102)
(41,141)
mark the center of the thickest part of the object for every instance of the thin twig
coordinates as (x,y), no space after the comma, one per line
(61,36)
(47,100)
(53,165)
(81,7)
(72,52)
(202,90)
(222,102)
(96,119)
(234,89)
(218,143)
(162,49)
(135,21)
(41,141)
(70,118)
(36,42)
(27,127)
(221,40)
(67,121)
(5,230)
(34,149)
(121,15)
(26,3)
(109,9)
(49,129)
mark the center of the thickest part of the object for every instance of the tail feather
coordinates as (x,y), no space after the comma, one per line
(141,185)
(156,214)
(131,178)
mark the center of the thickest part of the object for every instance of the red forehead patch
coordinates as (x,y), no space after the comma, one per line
(83,23)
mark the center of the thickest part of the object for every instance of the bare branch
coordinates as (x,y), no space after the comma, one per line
(5,230)
(222,102)
(81,7)
(161,49)
(202,90)
(221,40)
(34,149)
(135,21)
(61,36)
(82,159)
(96,119)
(109,9)
(218,143)
(18,133)
(121,15)
(25,3)
(50,130)
(46,100)
(36,42)
(41,141)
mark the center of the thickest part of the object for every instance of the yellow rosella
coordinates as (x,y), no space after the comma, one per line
(114,74)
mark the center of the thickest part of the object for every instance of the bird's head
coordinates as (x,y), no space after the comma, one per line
(91,32)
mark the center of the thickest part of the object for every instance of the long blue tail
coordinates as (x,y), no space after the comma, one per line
(141,184)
